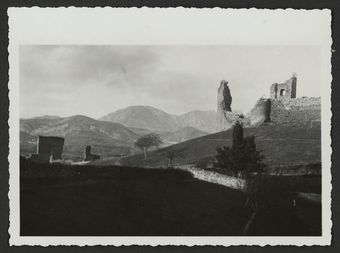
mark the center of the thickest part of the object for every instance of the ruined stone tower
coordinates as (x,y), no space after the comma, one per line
(224,97)
(88,156)
(225,117)
(49,148)
(284,90)
(224,100)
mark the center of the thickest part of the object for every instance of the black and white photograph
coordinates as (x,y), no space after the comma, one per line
(208,137)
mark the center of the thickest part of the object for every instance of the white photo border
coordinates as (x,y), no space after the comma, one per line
(168,26)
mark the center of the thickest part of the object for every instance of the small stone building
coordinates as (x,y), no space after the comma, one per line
(49,148)
(89,156)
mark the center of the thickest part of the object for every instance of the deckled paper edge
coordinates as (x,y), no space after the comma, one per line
(16,239)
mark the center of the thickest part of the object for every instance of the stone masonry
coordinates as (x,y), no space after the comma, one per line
(89,156)
(284,90)
(49,148)
(284,108)
(225,117)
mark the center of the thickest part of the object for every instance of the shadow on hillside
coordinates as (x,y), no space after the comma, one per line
(61,200)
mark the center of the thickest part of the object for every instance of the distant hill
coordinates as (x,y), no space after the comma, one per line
(142,131)
(147,117)
(172,137)
(106,138)
(202,120)
(280,144)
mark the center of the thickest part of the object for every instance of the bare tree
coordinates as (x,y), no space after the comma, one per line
(147,141)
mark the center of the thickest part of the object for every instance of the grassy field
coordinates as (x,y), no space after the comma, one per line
(92,200)
(280,144)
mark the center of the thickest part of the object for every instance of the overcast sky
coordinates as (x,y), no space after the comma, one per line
(96,80)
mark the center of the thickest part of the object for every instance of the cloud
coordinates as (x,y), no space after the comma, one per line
(69,67)
(95,80)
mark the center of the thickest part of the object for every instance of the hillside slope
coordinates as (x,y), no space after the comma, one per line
(107,138)
(281,145)
(183,134)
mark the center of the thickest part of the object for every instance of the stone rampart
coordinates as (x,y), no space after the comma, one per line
(300,111)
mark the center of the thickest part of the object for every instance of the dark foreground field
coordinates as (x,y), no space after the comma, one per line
(64,200)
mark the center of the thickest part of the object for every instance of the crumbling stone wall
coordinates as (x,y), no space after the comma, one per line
(224,97)
(224,100)
(225,117)
(286,108)
(305,112)
(284,90)
(48,148)
(303,102)
(89,156)
(261,112)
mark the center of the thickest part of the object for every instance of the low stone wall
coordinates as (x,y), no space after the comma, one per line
(214,177)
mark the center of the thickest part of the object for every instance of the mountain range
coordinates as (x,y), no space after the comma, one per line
(109,138)
(151,118)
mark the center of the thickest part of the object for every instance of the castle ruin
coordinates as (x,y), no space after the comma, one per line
(283,107)
(261,112)
(225,117)
(49,149)
(286,90)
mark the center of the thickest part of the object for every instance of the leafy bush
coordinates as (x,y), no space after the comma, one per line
(241,159)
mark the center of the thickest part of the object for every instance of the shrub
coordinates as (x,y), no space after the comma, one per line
(242,159)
